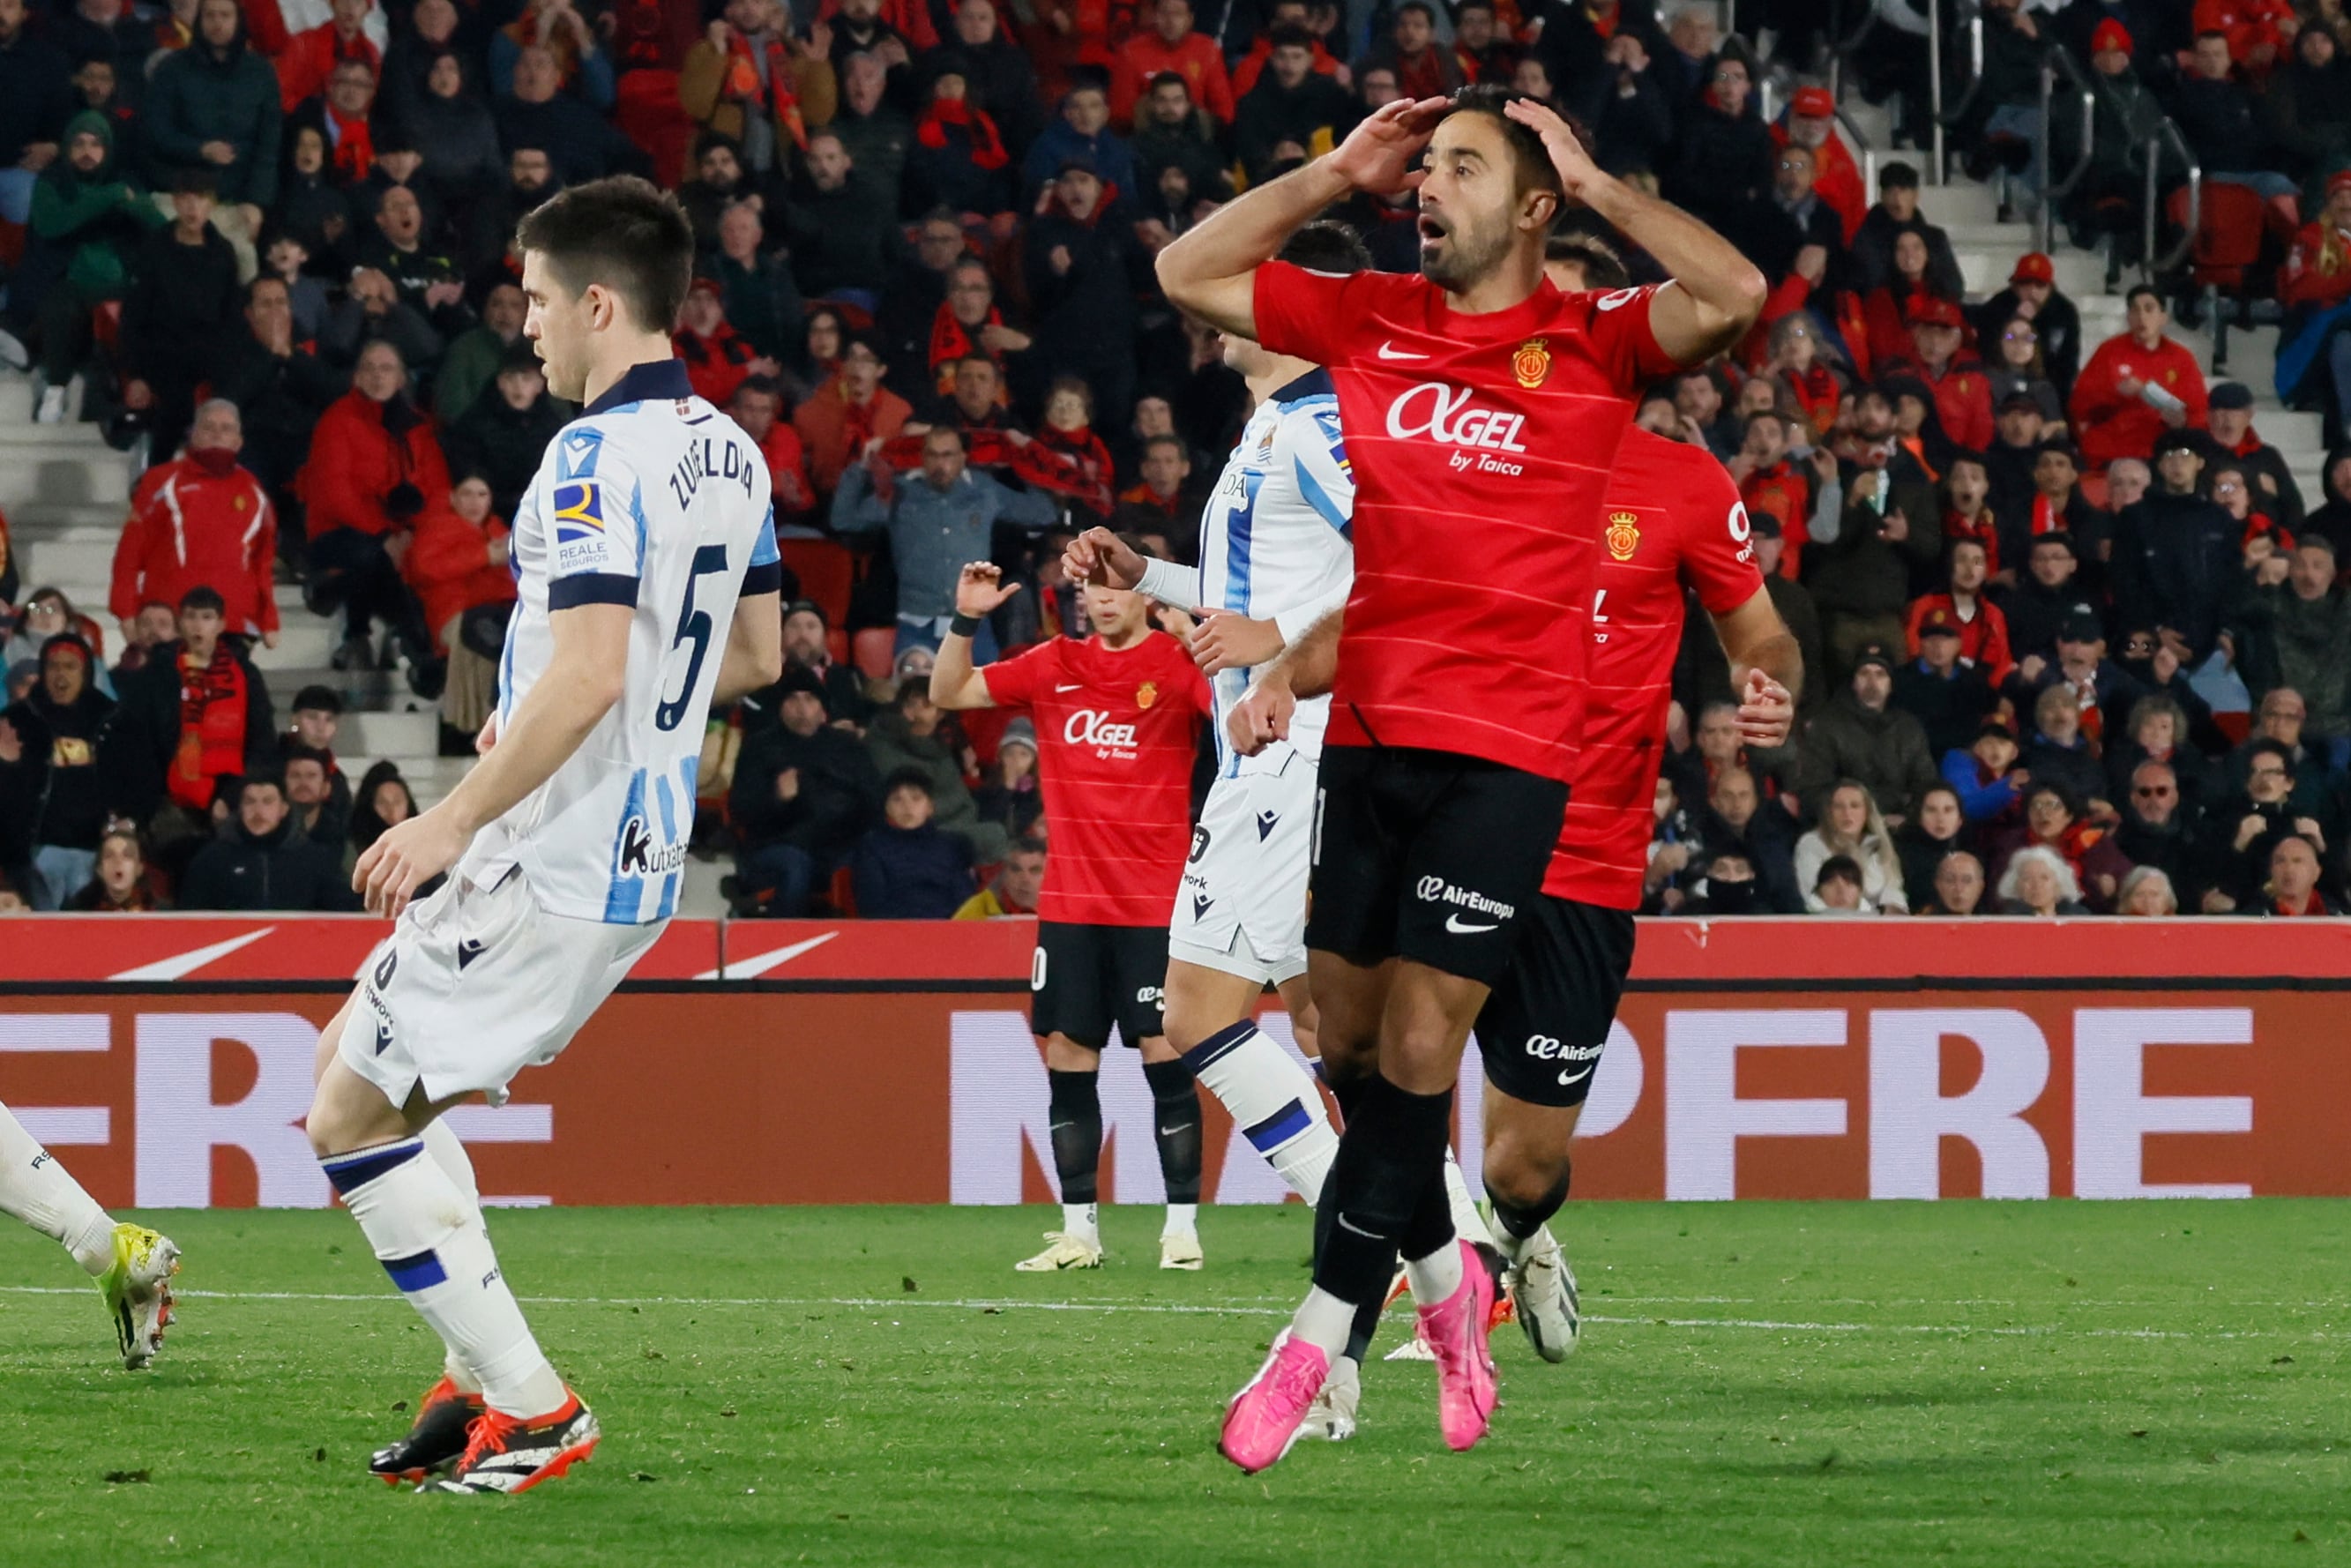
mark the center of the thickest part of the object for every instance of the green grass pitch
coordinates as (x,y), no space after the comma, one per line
(1823,1385)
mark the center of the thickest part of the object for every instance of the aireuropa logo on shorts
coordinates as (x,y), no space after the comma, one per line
(1436,890)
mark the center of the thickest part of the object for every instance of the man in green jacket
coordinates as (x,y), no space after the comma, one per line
(213,108)
(90,218)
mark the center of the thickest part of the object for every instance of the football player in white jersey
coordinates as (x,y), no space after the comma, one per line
(132,1264)
(646,561)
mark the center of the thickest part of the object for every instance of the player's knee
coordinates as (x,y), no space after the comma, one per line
(1522,1173)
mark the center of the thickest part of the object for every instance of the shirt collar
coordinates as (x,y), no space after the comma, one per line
(1313,383)
(651,381)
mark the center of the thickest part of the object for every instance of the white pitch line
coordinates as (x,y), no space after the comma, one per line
(1269,1308)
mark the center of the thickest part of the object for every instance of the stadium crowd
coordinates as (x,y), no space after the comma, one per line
(270,242)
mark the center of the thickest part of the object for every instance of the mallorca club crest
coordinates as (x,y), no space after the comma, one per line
(1623,535)
(1146,694)
(1531,364)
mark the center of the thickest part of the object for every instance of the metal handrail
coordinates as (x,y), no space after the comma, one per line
(2053,62)
(1868,153)
(1942,116)
(2167,131)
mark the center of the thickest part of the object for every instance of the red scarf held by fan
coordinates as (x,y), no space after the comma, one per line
(951,341)
(354,145)
(775,94)
(986,147)
(211,728)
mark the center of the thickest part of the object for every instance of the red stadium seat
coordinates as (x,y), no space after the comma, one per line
(2231,229)
(827,571)
(841,893)
(877,652)
(836,645)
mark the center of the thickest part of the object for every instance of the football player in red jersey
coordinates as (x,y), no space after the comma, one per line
(1482,408)
(1118,718)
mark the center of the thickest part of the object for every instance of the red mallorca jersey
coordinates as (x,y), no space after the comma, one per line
(1672,519)
(1118,732)
(1482,447)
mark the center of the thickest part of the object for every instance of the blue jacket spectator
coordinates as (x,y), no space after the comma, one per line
(1984,775)
(908,869)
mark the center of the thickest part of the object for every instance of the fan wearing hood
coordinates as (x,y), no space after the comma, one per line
(91,220)
(59,783)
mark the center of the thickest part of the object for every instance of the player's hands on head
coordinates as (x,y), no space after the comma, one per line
(1378,155)
(1227,640)
(982,587)
(1262,715)
(408,855)
(1100,556)
(1577,173)
(1766,711)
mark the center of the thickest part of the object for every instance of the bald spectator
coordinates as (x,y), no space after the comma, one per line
(201,520)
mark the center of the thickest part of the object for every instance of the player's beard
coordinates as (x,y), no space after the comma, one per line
(1467,254)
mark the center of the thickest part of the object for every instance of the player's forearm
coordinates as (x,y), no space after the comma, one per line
(549,725)
(955,683)
(1242,235)
(1310,663)
(755,649)
(1724,290)
(1778,656)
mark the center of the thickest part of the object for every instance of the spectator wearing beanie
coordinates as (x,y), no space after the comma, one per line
(2053,504)
(804,793)
(317,715)
(2177,552)
(1083,267)
(201,520)
(907,868)
(60,770)
(1947,693)
(506,432)
(2230,423)
(1861,736)
(2140,384)
(1011,792)
(998,71)
(92,222)
(374,465)
(806,653)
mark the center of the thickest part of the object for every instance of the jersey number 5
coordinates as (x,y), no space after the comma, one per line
(693,626)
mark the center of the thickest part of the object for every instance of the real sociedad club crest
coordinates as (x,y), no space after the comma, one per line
(1531,364)
(1624,536)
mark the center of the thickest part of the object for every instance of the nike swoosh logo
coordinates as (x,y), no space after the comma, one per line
(1070,688)
(1567,1078)
(1388,351)
(1453,923)
(1170,1131)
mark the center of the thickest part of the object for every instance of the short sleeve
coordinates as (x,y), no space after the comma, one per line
(1306,313)
(1623,344)
(1325,478)
(1717,557)
(766,574)
(1015,682)
(595,524)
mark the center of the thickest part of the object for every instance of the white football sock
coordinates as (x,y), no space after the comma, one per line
(37,1189)
(1468,1223)
(1182,1219)
(448,1151)
(1434,1277)
(1273,1102)
(1082,1220)
(1325,1320)
(430,1240)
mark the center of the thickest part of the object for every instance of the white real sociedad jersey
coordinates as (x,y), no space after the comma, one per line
(650,498)
(1274,543)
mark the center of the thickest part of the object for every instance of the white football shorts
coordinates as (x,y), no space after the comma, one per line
(1242,906)
(474,984)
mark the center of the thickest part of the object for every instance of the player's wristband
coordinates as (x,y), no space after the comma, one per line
(962,625)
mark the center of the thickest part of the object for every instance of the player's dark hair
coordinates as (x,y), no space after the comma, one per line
(294,754)
(1289,36)
(624,233)
(1897,177)
(1177,443)
(1326,246)
(203,596)
(2148,289)
(1171,78)
(1026,846)
(765,385)
(1838,868)
(1603,267)
(2266,747)
(261,777)
(1967,454)
(908,779)
(1528,158)
(952,430)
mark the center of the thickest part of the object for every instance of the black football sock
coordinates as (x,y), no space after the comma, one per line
(1076,1123)
(1176,1124)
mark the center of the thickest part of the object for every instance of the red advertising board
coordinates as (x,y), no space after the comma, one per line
(169,1061)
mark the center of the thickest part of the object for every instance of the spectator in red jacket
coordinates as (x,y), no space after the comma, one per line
(1811,121)
(2314,285)
(374,461)
(458,559)
(717,358)
(2136,387)
(310,56)
(757,406)
(849,409)
(1170,45)
(1962,390)
(201,518)
(1982,629)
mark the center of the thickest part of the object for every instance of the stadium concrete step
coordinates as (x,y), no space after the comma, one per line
(304,643)
(1988,253)
(95,476)
(383,733)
